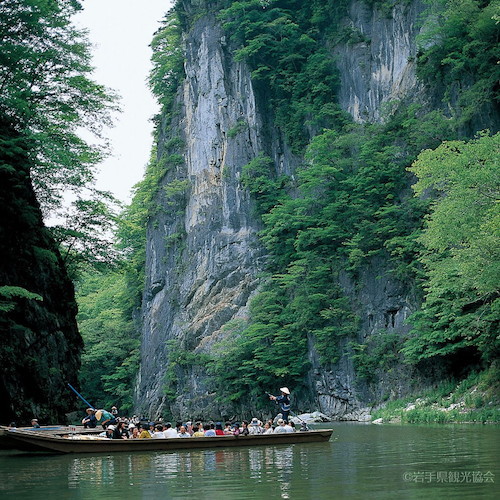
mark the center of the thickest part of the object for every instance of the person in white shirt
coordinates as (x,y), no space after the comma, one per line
(280,428)
(158,433)
(255,427)
(169,432)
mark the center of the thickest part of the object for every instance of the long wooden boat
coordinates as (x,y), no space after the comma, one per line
(8,443)
(39,441)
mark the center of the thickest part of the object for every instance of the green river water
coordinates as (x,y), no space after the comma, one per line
(361,461)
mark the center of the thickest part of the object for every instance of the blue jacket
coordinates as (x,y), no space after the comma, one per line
(284,402)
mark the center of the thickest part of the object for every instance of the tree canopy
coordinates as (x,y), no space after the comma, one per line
(48,96)
(461,249)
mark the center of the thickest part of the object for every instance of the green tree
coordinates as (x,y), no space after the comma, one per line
(48,97)
(167,61)
(461,249)
(87,236)
(459,53)
(282,42)
(111,356)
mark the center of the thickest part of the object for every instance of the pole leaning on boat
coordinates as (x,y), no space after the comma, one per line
(80,396)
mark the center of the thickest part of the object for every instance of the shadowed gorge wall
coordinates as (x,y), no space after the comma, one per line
(40,348)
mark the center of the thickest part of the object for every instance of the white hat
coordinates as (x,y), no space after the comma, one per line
(285,390)
(280,421)
(111,428)
(255,421)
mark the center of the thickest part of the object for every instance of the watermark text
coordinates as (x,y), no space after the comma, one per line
(448,477)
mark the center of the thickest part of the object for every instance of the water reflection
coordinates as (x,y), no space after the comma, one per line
(362,462)
(271,467)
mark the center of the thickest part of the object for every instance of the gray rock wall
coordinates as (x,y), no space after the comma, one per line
(377,63)
(377,69)
(194,288)
(205,278)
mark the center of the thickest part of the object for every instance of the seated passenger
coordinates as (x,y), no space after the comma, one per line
(169,432)
(209,430)
(120,432)
(158,433)
(183,433)
(145,432)
(268,428)
(280,428)
(151,428)
(244,431)
(35,424)
(109,433)
(197,432)
(255,427)
(218,429)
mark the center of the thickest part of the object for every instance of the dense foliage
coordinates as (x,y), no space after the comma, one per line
(109,300)
(111,356)
(347,207)
(48,103)
(461,250)
(460,50)
(350,203)
(47,95)
(283,43)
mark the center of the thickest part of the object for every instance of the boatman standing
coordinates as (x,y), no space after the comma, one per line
(283,401)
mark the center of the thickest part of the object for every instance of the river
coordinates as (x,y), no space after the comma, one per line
(361,461)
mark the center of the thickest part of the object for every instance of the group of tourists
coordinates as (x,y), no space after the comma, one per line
(155,430)
(135,428)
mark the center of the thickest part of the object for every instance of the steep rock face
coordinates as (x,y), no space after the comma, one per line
(382,305)
(195,287)
(377,64)
(203,264)
(40,349)
(377,71)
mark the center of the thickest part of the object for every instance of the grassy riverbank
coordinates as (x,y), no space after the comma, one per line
(474,399)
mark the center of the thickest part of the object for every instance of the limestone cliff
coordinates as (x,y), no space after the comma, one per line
(203,262)
(193,288)
(377,64)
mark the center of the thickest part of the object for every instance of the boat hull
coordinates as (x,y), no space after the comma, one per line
(8,443)
(37,441)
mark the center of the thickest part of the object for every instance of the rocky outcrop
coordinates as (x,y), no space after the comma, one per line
(40,348)
(377,59)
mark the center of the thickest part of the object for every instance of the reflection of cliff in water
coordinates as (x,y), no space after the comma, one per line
(268,468)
